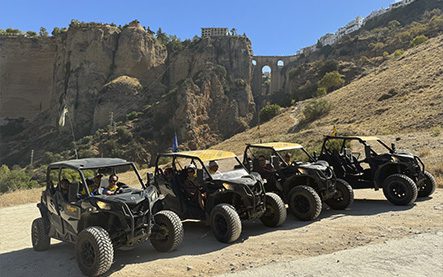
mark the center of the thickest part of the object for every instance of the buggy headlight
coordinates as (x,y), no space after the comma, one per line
(153,196)
(228,186)
(103,205)
(303,170)
(394,159)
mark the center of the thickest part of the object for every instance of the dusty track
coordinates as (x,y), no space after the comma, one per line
(371,220)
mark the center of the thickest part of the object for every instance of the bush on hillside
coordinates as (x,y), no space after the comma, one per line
(399,53)
(269,111)
(331,80)
(321,91)
(418,40)
(14,179)
(316,109)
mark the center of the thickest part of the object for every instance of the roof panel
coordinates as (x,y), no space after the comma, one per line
(278,146)
(91,162)
(207,155)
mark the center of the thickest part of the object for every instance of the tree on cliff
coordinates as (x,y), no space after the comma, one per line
(43,32)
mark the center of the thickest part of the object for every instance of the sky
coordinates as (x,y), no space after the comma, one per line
(275,27)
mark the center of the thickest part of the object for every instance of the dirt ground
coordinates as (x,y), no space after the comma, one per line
(371,220)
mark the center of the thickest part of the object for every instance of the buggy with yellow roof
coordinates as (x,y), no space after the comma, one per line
(213,185)
(301,181)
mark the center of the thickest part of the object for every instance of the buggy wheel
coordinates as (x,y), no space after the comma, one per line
(343,197)
(39,235)
(275,213)
(94,251)
(426,185)
(225,223)
(304,202)
(399,189)
(170,234)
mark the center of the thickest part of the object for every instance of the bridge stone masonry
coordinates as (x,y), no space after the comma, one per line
(277,64)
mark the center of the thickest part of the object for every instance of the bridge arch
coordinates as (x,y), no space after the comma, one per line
(277,76)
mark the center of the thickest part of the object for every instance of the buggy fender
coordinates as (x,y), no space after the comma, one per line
(298,180)
(385,170)
(220,196)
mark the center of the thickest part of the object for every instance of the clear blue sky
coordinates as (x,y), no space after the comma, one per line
(274,27)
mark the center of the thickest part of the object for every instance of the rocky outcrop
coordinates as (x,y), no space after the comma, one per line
(201,90)
(88,58)
(215,101)
(26,70)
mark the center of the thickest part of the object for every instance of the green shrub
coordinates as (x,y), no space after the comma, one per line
(418,40)
(240,83)
(269,111)
(31,33)
(331,80)
(321,91)
(328,66)
(43,32)
(399,53)
(316,109)
(124,135)
(14,179)
(133,115)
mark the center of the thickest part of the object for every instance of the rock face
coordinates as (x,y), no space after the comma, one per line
(201,91)
(26,70)
(216,100)
(89,57)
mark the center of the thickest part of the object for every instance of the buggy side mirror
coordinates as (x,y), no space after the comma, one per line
(367,151)
(149,178)
(393,147)
(73,191)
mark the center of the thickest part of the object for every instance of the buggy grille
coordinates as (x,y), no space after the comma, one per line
(140,208)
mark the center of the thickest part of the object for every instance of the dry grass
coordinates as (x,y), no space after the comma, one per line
(20,197)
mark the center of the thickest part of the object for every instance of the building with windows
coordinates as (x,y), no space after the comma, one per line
(351,27)
(401,3)
(215,32)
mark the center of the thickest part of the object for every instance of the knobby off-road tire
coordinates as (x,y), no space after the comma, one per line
(94,251)
(39,235)
(171,224)
(343,198)
(304,203)
(225,223)
(426,185)
(399,189)
(275,213)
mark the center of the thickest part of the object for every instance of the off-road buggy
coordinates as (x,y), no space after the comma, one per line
(367,162)
(300,180)
(97,224)
(221,198)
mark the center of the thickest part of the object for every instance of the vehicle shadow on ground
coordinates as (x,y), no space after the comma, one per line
(60,258)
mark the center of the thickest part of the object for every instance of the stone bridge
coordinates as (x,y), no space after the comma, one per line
(277,65)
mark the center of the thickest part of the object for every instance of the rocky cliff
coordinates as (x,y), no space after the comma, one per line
(101,72)
(26,71)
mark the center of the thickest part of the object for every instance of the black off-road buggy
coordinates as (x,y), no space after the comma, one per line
(367,162)
(301,181)
(226,197)
(97,224)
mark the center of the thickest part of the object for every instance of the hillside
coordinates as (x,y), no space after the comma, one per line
(402,98)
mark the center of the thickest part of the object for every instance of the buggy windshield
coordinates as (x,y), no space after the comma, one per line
(225,169)
(126,176)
